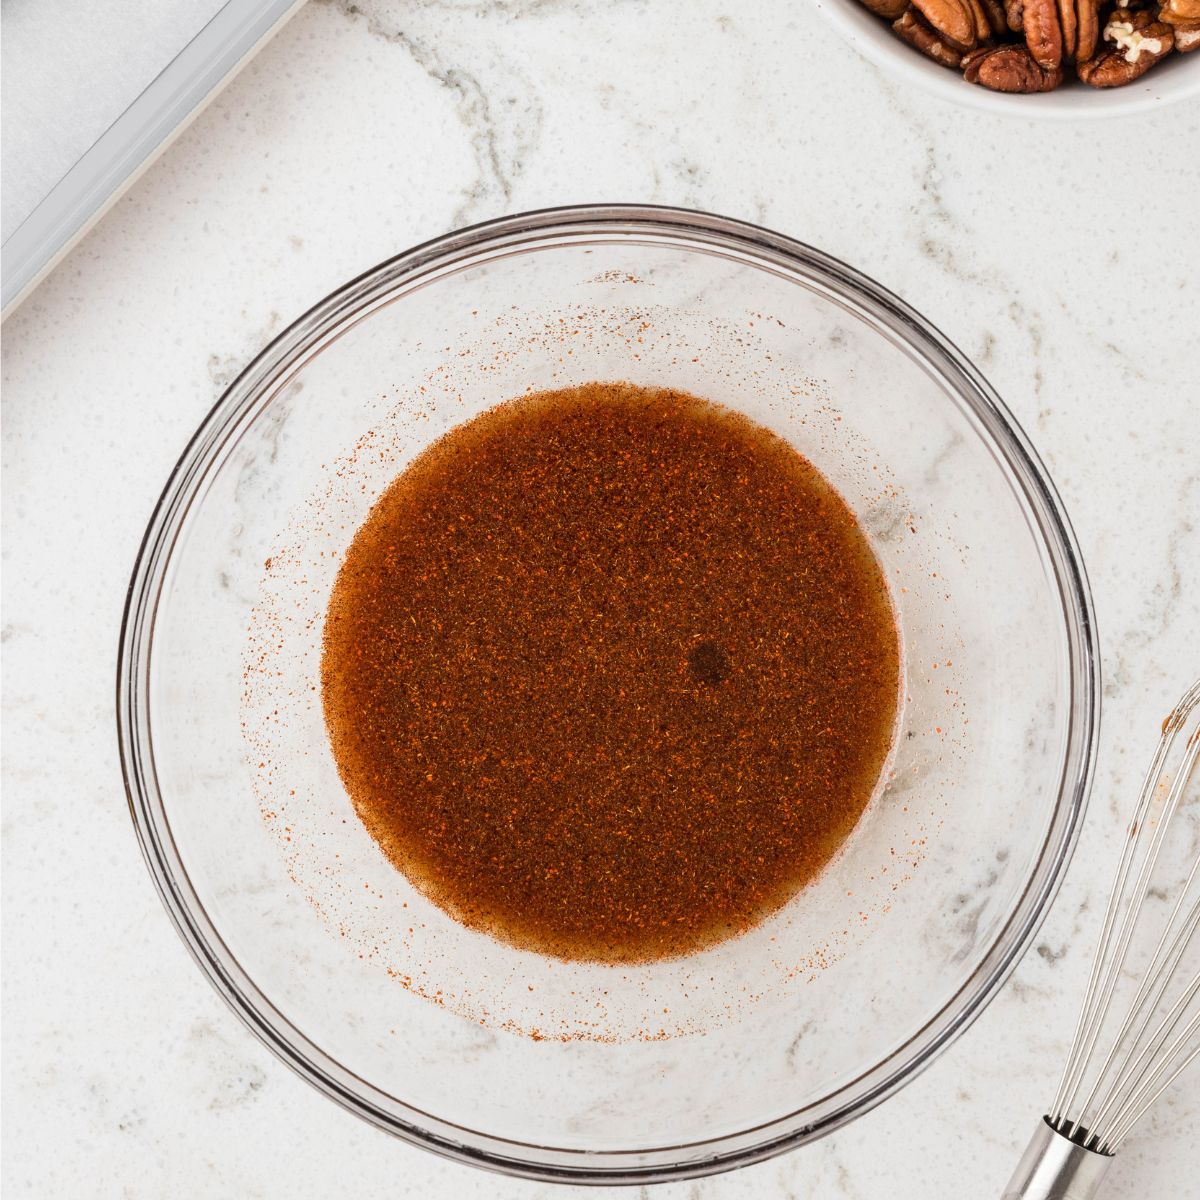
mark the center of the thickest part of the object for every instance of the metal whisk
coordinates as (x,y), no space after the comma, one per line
(1124,1056)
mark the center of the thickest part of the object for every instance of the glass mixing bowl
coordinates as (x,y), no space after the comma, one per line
(589,1072)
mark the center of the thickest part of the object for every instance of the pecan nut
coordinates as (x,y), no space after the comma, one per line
(889,10)
(1044,33)
(1067,10)
(1107,50)
(1087,29)
(1184,17)
(1187,36)
(983,27)
(917,33)
(997,20)
(1139,42)
(1010,69)
(952,20)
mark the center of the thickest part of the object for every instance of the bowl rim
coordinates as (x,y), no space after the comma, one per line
(326,321)
(871,37)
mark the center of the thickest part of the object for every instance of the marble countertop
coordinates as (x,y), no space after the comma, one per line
(1062,258)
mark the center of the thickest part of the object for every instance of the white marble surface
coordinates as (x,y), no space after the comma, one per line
(1063,258)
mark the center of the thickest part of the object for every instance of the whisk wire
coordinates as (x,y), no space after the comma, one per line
(1156,975)
(1129,1121)
(1123,1102)
(1125,904)
(1121,1077)
(1128,1069)
(1076,1059)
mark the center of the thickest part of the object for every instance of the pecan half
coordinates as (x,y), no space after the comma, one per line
(1014,14)
(1184,17)
(1187,36)
(889,10)
(983,28)
(997,21)
(1043,33)
(917,33)
(1088,34)
(1139,42)
(1010,69)
(952,20)
(1069,24)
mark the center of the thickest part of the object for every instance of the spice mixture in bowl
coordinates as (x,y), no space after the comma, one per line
(608,694)
(674,726)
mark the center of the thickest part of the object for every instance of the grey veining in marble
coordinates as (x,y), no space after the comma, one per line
(1058,257)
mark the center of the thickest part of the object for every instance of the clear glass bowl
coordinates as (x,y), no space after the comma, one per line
(587,1072)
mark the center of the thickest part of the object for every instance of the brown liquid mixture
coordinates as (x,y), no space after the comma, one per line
(610,673)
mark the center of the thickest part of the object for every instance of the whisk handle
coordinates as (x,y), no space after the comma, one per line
(1055,1168)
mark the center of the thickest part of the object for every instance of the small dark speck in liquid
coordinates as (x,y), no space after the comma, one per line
(610,673)
(708,663)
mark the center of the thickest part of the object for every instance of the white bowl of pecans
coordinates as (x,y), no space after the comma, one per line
(1080,57)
